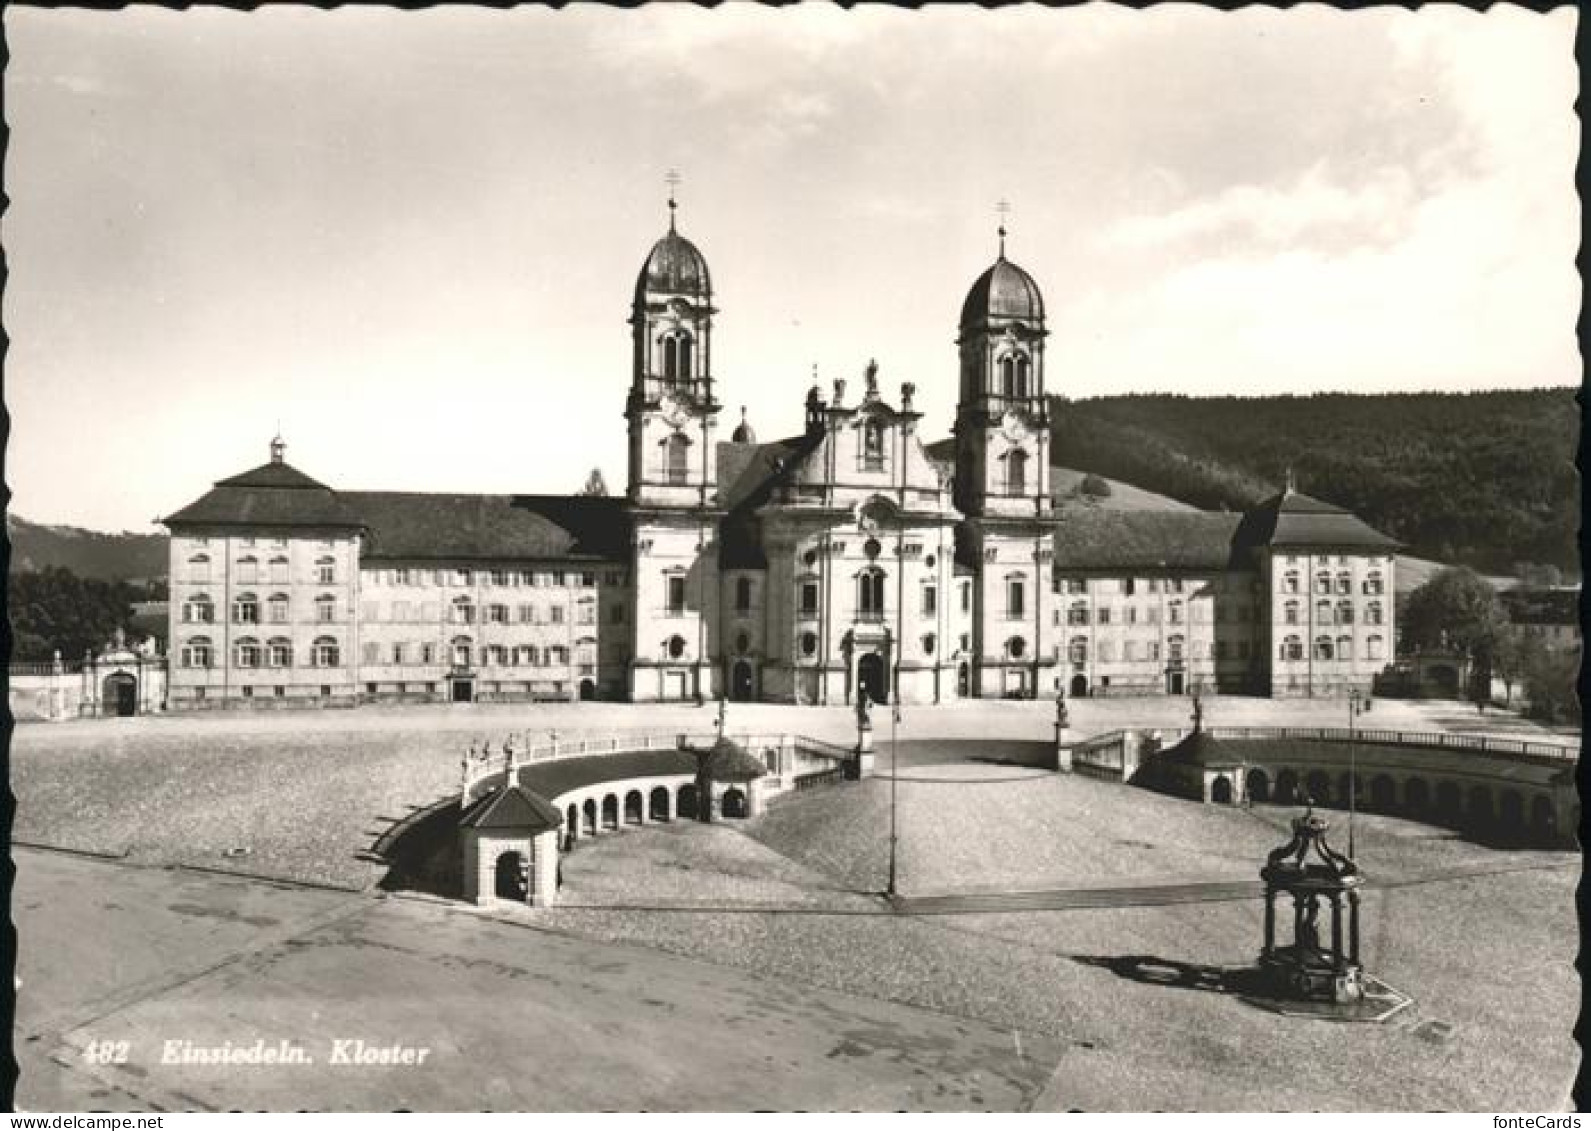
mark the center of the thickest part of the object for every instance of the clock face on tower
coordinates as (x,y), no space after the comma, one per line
(672,410)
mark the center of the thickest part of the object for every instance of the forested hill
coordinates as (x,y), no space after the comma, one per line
(87,553)
(1486,479)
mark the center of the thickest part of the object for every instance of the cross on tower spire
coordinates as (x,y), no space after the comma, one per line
(1003,207)
(672,178)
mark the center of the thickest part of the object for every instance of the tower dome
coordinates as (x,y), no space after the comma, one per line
(1003,291)
(743,433)
(674,267)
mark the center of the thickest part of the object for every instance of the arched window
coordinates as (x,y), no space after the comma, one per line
(280,653)
(196,653)
(279,566)
(676,357)
(873,446)
(1344,647)
(248,569)
(676,459)
(326,571)
(1290,612)
(1322,612)
(1021,384)
(1077,651)
(1323,650)
(1077,613)
(462,650)
(246,609)
(1016,472)
(870,594)
(198,609)
(1016,647)
(276,608)
(199,567)
(1292,648)
(1008,376)
(325,652)
(928,644)
(1373,612)
(675,647)
(246,652)
(809,644)
(325,608)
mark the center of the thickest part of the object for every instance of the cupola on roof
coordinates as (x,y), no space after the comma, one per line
(1003,291)
(674,267)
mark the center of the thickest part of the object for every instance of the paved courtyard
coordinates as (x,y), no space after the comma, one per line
(761,949)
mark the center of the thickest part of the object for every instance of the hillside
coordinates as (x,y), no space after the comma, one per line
(1486,479)
(87,553)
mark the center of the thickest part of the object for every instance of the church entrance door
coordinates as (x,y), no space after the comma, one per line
(121,695)
(463,691)
(740,688)
(870,677)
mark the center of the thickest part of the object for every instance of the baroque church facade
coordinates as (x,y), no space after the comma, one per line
(853,556)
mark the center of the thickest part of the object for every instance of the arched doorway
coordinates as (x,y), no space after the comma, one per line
(1221,790)
(591,817)
(1286,788)
(1079,686)
(512,876)
(1480,807)
(1383,794)
(686,805)
(1449,801)
(120,696)
(571,827)
(1511,812)
(1542,817)
(610,811)
(734,804)
(1259,787)
(871,679)
(740,682)
(1318,786)
(1416,796)
(588,689)
(659,804)
(632,807)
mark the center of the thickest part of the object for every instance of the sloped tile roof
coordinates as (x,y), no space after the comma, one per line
(1295,519)
(1103,539)
(274,494)
(416,526)
(747,476)
(727,760)
(511,808)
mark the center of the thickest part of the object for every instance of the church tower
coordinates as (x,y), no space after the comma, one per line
(672,413)
(1003,479)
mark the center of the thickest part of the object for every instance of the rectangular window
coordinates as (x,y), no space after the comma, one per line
(1129,586)
(809,598)
(930,600)
(1103,614)
(428,653)
(397,654)
(372,653)
(675,595)
(966,597)
(1015,598)
(557,614)
(499,577)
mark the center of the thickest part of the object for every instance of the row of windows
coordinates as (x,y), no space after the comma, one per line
(1324,582)
(276,542)
(246,608)
(1175,650)
(199,652)
(247,570)
(502,578)
(1326,614)
(462,651)
(1328,649)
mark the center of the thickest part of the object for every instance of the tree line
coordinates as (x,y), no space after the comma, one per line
(54,609)
(1485,479)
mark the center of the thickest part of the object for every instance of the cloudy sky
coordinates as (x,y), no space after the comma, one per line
(411,238)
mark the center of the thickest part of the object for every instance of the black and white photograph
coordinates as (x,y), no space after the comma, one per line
(793,559)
